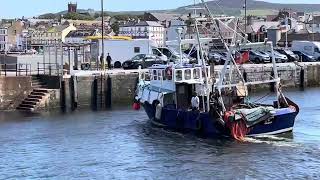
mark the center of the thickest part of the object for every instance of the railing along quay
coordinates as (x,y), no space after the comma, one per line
(21,69)
(49,69)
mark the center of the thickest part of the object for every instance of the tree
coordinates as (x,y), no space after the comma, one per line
(77,16)
(115,27)
(98,14)
(48,16)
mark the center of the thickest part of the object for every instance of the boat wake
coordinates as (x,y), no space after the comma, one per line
(272,140)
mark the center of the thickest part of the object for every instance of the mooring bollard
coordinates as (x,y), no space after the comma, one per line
(302,78)
(63,96)
(94,101)
(109,93)
(272,84)
(73,92)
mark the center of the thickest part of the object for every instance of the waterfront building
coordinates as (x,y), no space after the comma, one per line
(171,30)
(313,23)
(80,36)
(162,18)
(151,30)
(4,39)
(51,35)
(10,36)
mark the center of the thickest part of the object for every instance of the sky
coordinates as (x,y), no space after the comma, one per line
(29,8)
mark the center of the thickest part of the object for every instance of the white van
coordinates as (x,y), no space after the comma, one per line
(123,50)
(308,47)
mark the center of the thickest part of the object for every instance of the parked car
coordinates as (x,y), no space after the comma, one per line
(143,60)
(258,57)
(31,51)
(290,55)
(305,57)
(280,58)
(173,55)
(216,58)
(224,57)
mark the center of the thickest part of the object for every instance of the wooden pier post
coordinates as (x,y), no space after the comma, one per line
(302,79)
(109,92)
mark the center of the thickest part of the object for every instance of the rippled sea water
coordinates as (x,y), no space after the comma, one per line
(121,144)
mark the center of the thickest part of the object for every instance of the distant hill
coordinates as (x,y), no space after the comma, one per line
(233,7)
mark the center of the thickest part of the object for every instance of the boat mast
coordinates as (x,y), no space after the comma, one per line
(230,58)
(203,66)
(179,31)
(275,73)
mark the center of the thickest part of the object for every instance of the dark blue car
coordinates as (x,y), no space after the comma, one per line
(305,57)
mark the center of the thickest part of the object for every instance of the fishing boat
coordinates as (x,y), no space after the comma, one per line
(166,92)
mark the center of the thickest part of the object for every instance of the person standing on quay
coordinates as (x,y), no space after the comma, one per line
(101,61)
(109,59)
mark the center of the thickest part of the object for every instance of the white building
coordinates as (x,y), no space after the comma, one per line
(313,23)
(80,36)
(4,39)
(22,40)
(171,30)
(144,30)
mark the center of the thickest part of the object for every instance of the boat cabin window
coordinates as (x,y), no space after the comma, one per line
(159,75)
(203,74)
(179,75)
(196,73)
(154,74)
(164,75)
(187,74)
(168,74)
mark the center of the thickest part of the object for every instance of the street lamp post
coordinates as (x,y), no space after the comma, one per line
(102,34)
(245,14)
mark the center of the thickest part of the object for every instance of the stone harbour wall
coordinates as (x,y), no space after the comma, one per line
(13,90)
(103,92)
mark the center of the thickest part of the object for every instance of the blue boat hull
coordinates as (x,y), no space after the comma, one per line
(204,125)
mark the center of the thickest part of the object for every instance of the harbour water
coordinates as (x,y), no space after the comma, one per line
(121,144)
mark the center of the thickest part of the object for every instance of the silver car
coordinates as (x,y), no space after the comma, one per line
(280,58)
(259,57)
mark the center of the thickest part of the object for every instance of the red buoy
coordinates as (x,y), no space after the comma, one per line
(136,106)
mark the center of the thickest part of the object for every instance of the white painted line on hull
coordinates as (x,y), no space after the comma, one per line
(272,133)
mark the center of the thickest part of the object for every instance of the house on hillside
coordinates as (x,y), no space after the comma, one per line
(50,36)
(303,35)
(12,36)
(257,30)
(162,18)
(313,23)
(144,30)
(4,44)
